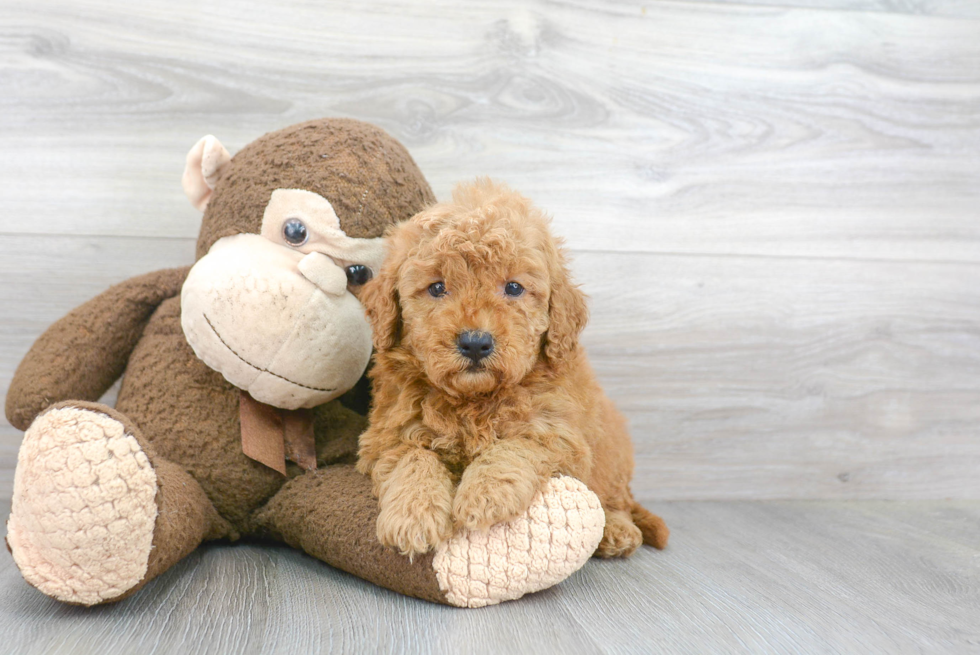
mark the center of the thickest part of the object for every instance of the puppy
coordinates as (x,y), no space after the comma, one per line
(482,392)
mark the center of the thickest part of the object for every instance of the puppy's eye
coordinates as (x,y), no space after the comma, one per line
(294,232)
(437,289)
(513,289)
(357,274)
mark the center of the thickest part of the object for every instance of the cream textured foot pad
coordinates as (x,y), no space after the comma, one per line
(554,539)
(83,510)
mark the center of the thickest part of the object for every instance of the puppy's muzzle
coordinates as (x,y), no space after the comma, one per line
(475,345)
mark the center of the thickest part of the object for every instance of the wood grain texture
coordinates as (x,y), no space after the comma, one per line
(773,207)
(739,577)
(742,377)
(944,8)
(772,203)
(666,127)
(786,377)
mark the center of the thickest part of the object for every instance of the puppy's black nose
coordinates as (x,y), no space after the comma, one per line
(474,345)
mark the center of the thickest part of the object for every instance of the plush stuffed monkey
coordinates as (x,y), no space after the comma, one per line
(231,420)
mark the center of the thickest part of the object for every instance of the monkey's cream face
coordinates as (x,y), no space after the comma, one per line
(276,313)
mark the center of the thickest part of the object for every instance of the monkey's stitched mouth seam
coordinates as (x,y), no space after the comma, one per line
(257,368)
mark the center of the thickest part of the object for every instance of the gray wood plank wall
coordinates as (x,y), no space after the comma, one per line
(774,206)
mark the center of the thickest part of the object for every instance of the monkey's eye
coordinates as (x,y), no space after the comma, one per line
(437,289)
(513,289)
(357,274)
(294,232)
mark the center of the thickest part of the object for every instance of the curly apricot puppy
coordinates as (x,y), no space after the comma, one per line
(482,392)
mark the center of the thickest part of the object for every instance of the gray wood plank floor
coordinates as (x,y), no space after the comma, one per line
(739,577)
(773,205)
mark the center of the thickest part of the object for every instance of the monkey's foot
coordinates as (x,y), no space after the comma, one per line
(556,536)
(83,510)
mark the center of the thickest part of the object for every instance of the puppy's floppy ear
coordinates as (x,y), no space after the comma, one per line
(567,311)
(380,297)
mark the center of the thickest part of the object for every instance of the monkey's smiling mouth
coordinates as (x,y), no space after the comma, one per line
(259,368)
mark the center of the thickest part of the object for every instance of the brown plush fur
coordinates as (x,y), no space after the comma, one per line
(450,446)
(368,177)
(184,414)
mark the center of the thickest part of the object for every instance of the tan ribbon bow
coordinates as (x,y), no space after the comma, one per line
(271,435)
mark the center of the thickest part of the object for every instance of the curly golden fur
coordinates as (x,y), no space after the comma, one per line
(457,443)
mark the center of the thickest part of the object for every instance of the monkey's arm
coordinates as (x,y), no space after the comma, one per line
(83,353)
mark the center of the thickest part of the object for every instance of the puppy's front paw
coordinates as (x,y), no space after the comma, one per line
(413,535)
(486,498)
(413,524)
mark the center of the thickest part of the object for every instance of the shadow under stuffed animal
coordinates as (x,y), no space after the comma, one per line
(239,412)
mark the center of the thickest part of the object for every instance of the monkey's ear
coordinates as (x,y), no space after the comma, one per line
(205,162)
